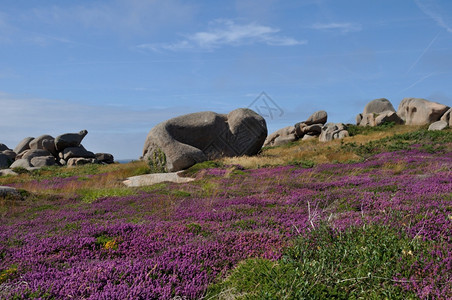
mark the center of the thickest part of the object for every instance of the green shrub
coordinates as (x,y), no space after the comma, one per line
(359,263)
(157,161)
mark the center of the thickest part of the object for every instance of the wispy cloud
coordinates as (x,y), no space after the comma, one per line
(118,130)
(432,9)
(342,27)
(227,33)
(422,54)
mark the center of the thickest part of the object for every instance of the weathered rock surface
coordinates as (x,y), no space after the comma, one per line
(105,158)
(29,154)
(21,163)
(150,179)
(69,140)
(6,172)
(417,111)
(7,191)
(3,147)
(23,145)
(79,151)
(438,125)
(5,161)
(319,117)
(10,153)
(377,112)
(447,117)
(181,142)
(78,161)
(374,119)
(45,142)
(331,131)
(43,161)
(281,136)
(378,106)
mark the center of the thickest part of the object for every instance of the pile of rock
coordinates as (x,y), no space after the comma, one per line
(45,150)
(313,128)
(411,111)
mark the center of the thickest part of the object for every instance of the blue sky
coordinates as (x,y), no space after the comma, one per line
(119,67)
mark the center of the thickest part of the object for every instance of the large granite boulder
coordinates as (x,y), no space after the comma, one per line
(417,111)
(281,136)
(23,145)
(181,142)
(45,142)
(378,106)
(377,112)
(69,140)
(332,131)
(79,152)
(30,154)
(319,117)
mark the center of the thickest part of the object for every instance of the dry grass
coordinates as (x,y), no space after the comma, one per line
(313,150)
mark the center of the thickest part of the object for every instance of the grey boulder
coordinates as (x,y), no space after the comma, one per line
(78,161)
(79,152)
(11,154)
(7,191)
(105,158)
(30,154)
(378,106)
(417,111)
(319,117)
(69,140)
(23,145)
(332,131)
(3,147)
(281,136)
(376,119)
(5,161)
(45,142)
(181,142)
(43,161)
(21,163)
(438,125)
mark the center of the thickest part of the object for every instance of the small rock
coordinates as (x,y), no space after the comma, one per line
(105,158)
(6,191)
(78,161)
(150,179)
(438,125)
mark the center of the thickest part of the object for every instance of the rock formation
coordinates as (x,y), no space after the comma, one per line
(417,111)
(377,112)
(181,142)
(48,151)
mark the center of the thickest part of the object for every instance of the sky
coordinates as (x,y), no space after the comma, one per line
(117,68)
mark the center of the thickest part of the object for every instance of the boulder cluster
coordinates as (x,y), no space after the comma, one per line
(411,111)
(315,127)
(45,150)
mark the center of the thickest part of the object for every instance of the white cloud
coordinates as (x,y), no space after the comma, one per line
(431,9)
(117,130)
(342,27)
(227,33)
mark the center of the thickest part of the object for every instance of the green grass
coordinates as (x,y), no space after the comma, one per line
(359,263)
(91,195)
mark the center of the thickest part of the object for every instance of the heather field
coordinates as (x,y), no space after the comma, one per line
(376,226)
